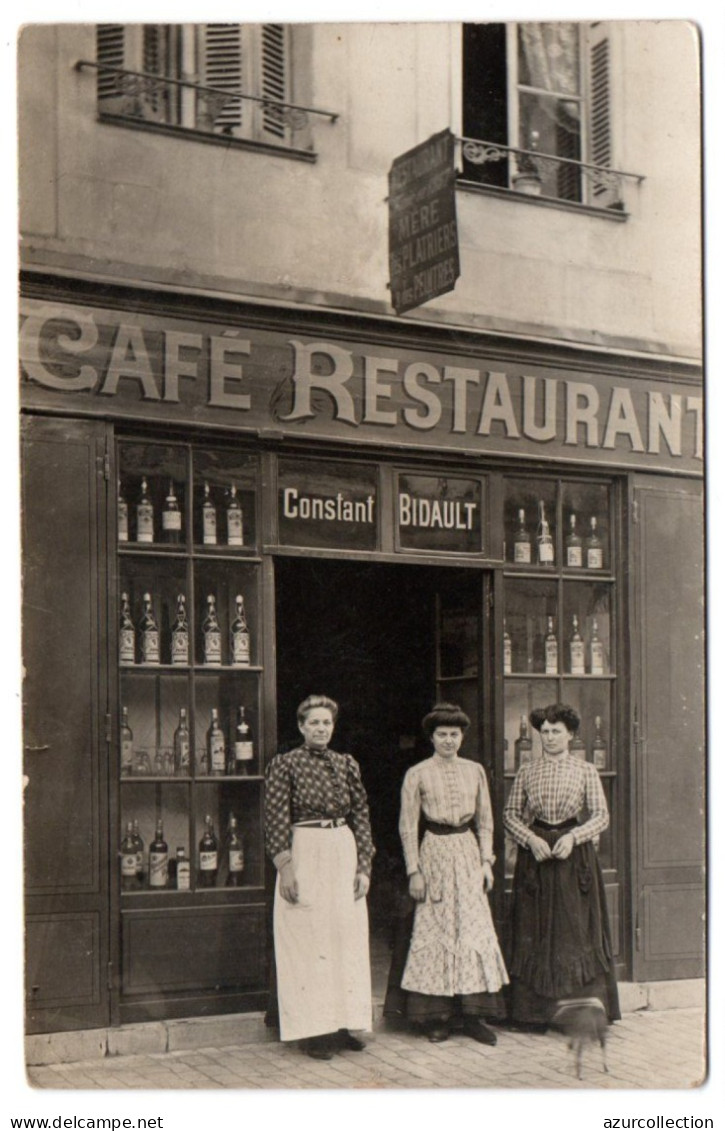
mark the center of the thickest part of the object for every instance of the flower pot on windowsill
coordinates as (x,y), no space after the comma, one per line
(528,183)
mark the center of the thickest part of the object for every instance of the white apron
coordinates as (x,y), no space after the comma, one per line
(321,943)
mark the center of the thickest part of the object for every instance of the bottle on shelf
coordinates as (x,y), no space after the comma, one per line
(577,747)
(243,744)
(576,648)
(544,541)
(208,518)
(235,855)
(574,559)
(180,634)
(139,844)
(126,634)
(183,870)
(144,515)
(127,853)
(212,634)
(596,651)
(235,528)
(126,737)
(599,746)
(594,547)
(122,510)
(522,541)
(182,746)
(506,649)
(158,858)
(215,746)
(171,517)
(551,649)
(208,855)
(240,639)
(523,746)
(149,629)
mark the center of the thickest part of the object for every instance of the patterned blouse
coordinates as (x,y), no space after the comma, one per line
(309,785)
(554,789)
(449,791)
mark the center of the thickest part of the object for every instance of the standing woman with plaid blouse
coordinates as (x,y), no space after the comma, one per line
(560,939)
(317,831)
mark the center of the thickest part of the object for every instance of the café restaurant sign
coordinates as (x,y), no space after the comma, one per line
(113,363)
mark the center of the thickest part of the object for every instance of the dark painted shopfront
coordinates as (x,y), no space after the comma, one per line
(387,514)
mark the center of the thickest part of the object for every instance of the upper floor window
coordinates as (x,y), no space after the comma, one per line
(543,92)
(233,80)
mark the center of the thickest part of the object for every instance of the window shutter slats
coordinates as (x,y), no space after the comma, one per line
(600,101)
(274,76)
(109,52)
(224,69)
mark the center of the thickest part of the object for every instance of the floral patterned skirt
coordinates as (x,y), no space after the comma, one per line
(454,948)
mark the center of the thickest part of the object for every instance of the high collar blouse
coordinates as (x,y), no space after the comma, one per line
(555,788)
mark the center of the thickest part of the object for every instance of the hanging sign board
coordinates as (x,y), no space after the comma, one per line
(422,231)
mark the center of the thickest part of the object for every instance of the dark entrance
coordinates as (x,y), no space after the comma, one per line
(370,636)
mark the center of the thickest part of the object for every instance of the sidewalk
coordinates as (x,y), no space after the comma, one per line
(647,1049)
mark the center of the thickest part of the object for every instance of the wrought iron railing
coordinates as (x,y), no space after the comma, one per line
(147,97)
(544,174)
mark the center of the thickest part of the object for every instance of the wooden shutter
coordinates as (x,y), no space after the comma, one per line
(110,53)
(274,78)
(223,67)
(599,106)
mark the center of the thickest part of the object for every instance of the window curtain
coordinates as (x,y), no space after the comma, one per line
(549,60)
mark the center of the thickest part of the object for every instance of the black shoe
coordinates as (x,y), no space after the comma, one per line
(437,1033)
(346,1040)
(319,1048)
(478,1029)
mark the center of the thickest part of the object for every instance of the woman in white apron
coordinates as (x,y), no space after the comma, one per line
(317,832)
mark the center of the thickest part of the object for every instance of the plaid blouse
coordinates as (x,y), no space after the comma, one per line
(449,791)
(311,785)
(554,789)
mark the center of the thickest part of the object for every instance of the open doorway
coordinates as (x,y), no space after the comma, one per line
(369,635)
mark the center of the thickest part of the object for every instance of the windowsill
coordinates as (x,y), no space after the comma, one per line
(205,138)
(615,214)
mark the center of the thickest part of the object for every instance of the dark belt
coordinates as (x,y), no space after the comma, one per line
(570,824)
(323,823)
(447,830)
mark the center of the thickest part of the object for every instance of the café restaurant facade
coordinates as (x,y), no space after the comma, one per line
(425,513)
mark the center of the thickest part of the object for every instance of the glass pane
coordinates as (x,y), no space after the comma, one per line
(592,699)
(439,513)
(152,494)
(587,629)
(586,513)
(530,615)
(227,614)
(524,503)
(549,56)
(521,696)
(226,744)
(153,706)
(607,840)
(141,578)
(225,500)
(239,860)
(147,803)
(325,504)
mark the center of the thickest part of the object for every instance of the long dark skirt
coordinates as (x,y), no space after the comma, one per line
(560,939)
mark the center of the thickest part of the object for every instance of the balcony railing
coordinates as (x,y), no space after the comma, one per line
(146,97)
(543,174)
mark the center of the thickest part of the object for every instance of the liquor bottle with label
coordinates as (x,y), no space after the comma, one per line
(138,842)
(171,517)
(215,746)
(126,737)
(208,518)
(522,541)
(208,855)
(180,634)
(576,648)
(235,527)
(122,507)
(183,870)
(523,746)
(596,651)
(150,636)
(594,547)
(235,855)
(158,858)
(182,747)
(144,515)
(551,649)
(599,746)
(574,557)
(506,650)
(240,639)
(126,634)
(243,744)
(128,860)
(212,634)
(577,747)
(544,541)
